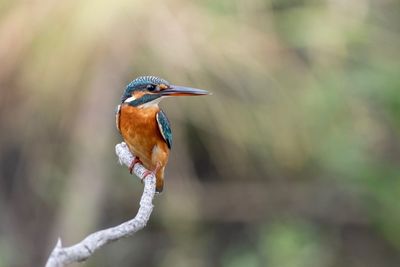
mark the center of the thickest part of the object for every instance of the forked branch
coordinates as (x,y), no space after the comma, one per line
(62,256)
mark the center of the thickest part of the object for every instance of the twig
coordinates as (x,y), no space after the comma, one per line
(62,256)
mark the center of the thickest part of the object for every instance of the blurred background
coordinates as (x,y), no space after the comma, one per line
(293,161)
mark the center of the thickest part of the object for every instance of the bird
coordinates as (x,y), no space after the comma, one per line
(143,124)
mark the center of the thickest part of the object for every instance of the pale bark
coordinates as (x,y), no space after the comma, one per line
(62,256)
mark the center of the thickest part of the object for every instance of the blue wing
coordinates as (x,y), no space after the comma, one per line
(164,127)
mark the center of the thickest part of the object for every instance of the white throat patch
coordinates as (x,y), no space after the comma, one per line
(130,99)
(151,104)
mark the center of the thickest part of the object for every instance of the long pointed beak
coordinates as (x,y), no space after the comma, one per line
(176,90)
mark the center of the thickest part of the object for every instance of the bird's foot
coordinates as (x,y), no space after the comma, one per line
(134,161)
(147,172)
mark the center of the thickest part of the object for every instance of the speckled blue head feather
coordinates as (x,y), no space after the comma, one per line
(140,83)
(145,80)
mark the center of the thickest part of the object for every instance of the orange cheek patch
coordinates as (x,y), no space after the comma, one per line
(163,86)
(138,94)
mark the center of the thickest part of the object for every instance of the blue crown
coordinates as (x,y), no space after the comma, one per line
(142,81)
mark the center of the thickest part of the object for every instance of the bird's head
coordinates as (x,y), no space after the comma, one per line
(149,90)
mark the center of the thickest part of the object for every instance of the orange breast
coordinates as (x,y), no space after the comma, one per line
(140,131)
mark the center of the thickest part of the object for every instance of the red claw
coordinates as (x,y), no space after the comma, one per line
(147,172)
(134,161)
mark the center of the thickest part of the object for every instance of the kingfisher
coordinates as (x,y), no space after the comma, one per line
(144,126)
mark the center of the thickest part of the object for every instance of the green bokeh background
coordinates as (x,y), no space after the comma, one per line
(293,161)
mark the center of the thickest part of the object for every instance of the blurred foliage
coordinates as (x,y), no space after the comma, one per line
(293,161)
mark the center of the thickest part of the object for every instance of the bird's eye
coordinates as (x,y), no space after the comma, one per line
(151,87)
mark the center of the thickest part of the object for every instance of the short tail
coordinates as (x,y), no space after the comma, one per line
(160,180)
(159,185)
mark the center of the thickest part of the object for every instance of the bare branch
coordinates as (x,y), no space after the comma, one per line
(62,256)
